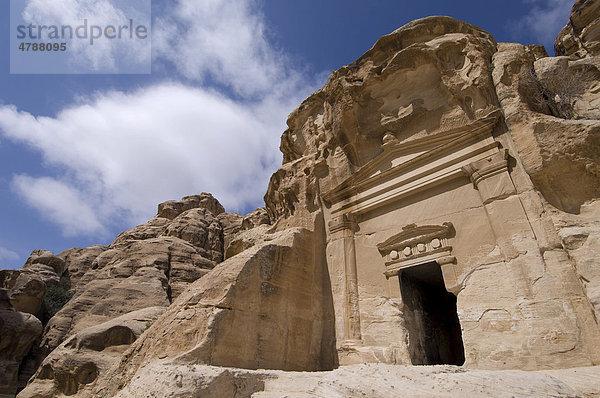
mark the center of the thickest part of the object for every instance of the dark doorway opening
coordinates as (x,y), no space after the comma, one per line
(433,327)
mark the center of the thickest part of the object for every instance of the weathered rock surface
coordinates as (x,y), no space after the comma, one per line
(200,228)
(423,141)
(193,219)
(232,225)
(147,266)
(581,36)
(152,229)
(8,278)
(357,381)
(258,217)
(172,209)
(558,145)
(561,156)
(27,294)
(74,366)
(253,228)
(580,236)
(242,232)
(78,262)
(264,308)
(18,331)
(429,76)
(245,239)
(139,274)
(42,270)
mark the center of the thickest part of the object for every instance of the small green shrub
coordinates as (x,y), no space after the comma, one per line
(147,326)
(56,297)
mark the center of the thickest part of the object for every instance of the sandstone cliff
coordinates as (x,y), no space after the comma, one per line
(76,292)
(581,35)
(437,205)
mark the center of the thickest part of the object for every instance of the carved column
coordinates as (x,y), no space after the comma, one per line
(505,212)
(344,223)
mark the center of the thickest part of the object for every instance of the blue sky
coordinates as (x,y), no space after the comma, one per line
(84,157)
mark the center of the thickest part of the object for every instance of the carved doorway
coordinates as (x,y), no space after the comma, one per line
(435,337)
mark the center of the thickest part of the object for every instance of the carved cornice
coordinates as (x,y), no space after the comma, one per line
(342,222)
(416,245)
(433,146)
(442,256)
(412,235)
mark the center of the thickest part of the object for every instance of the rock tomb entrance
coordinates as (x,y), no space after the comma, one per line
(435,336)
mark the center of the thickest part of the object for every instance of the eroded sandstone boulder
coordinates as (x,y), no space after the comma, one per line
(200,228)
(172,209)
(232,225)
(55,265)
(27,287)
(147,266)
(246,239)
(18,331)
(145,273)
(149,230)
(8,278)
(27,294)
(78,262)
(258,217)
(264,308)
(42,270)
(73,367)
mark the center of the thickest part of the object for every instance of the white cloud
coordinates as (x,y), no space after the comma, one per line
(124,153)
(224,41)
(120,154)
(61,203)
(9,255)
(544,20)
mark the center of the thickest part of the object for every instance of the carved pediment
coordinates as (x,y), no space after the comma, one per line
(416,245)
(412,235)
(409,166)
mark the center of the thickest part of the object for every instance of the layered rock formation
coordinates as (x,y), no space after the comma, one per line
(73,367)
(18,331)
(268,307)
(581,36)
(437,205)
(87,290)
(147,266)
